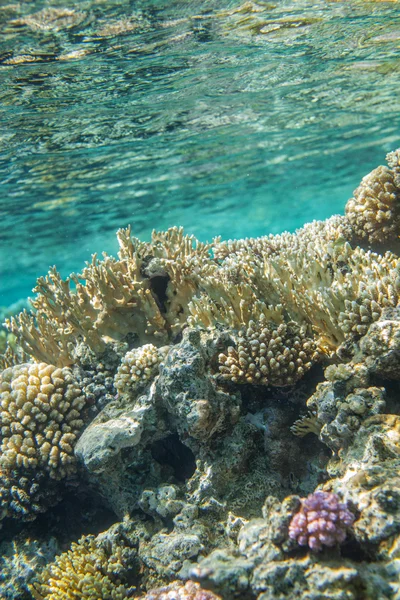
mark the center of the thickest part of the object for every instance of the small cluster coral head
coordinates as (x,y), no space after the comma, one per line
(180,591)
(321,521)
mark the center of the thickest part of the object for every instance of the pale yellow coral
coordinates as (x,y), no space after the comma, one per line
(138,367)
(374,210)
(85,572)
(318,281)
(113,298)
(41,417)
(269,355)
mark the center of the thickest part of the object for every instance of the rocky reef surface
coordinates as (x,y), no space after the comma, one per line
(210,421)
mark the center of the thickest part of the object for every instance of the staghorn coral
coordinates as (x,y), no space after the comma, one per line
(265,355)
(183,262)
(334,290)
(118,298)
(180,591)
(321,521)
(138,367)
(334,230)
(87,571)
(114,301)
(313,278)
(41,418)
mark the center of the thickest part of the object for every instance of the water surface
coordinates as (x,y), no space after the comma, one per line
(233,119)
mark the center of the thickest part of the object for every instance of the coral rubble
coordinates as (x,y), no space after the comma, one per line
(179,383)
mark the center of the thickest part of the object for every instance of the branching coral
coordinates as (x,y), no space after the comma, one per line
(113,298)
(313,278)
(330,288)
(278,355)
(86,572)
(138,367)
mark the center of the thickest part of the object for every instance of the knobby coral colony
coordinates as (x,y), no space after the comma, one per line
(276,305)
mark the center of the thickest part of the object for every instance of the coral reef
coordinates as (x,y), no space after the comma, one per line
(168,384)
(321,521)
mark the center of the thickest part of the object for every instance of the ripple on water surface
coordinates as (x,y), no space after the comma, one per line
(227,118)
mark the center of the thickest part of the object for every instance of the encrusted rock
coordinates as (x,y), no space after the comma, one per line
(340,405)
(380,347)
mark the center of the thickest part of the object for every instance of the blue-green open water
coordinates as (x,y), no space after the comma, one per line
(229,118)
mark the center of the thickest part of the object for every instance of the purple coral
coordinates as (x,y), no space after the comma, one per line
(321,521)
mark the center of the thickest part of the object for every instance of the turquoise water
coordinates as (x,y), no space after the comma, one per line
(229,119)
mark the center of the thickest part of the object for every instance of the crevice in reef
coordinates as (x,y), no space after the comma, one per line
(158,285)
(171,452)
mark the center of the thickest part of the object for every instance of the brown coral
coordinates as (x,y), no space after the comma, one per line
(86,571)
(269,354)
(41,417)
